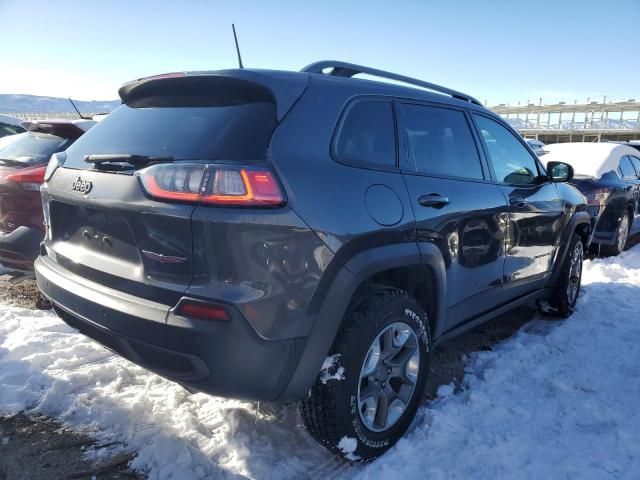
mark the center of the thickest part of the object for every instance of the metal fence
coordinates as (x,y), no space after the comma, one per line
(575,122)
(47,115)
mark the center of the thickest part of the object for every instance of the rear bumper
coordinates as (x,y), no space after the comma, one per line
(19,249)
(219,358)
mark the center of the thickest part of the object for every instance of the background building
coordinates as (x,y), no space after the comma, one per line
(577,122)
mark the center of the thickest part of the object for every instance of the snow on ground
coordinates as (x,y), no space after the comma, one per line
(558,400)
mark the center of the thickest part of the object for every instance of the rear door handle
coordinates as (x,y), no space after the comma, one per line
(433,200)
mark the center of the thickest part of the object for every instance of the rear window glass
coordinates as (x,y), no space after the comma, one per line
(238,132)
(367,135)
(626,168)
(31,148)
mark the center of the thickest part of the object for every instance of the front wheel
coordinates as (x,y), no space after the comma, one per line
(370,386)
(565,295)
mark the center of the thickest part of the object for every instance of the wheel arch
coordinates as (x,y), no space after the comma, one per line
(421,271)
(580,223)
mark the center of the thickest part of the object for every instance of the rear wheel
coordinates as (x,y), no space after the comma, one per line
(371,384)
(622,235)
(565,295)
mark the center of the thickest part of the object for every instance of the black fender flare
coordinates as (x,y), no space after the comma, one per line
(330,310)
(577,219)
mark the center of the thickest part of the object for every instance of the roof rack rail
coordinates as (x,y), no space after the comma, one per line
(344,69)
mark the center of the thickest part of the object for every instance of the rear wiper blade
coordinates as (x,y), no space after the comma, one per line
(12,161)
(136,160)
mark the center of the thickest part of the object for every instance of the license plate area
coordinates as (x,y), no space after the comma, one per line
(103,232)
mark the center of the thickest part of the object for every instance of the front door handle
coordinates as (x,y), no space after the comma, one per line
(433,200)
(518,202)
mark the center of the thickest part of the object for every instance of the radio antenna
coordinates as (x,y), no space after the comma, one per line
(78,111)
(235,37)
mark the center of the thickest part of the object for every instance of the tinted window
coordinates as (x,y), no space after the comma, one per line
(440,142)
(511,160)
(229,132)
(367,134)
(636,163)
(6,129)
(626,168)
(31,148)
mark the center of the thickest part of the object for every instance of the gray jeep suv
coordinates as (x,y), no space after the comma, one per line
(303,236)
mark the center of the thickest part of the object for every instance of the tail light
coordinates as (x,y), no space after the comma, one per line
(30,178)
(212,184)
(202,310)
(598,197)
(55,162)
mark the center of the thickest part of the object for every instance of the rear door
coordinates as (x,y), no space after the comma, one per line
(536,212)
(456,206)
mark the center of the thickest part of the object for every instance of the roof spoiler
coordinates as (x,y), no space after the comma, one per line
(344,69)
(283,87)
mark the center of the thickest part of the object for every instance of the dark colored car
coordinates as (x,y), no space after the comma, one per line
(23,161)
(285,236)
(609,176)
(631,143)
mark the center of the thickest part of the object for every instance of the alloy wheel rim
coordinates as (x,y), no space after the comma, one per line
(388,376)
(575,273)
(623,229)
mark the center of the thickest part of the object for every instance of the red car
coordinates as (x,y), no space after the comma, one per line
(23,161)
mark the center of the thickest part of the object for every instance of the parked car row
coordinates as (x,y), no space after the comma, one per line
(608,174)
(306,236)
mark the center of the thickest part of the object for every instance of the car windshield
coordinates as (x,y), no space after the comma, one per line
(31,148)
(6,129)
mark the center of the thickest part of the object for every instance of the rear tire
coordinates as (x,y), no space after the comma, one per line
(622,236)
(565,294)
(371,384)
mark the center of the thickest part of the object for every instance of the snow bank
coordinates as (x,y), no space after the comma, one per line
(559,400)
(47,368)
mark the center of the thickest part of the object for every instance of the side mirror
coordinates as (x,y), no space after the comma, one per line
(559,172)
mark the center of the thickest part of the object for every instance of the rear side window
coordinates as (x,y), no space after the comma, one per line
(512,162)
(367,135)
(440,142)
(31,148)
(227,120)
(636,163)
(626,168)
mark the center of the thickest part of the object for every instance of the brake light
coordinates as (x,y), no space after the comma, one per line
(30,178)
(598,197)
(212,184)
(202,310)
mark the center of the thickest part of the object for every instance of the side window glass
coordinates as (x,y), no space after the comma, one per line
(367,134)
(511,161)
(636,164)
(440,142)
(626,168)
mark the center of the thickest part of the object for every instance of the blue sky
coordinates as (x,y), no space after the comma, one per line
(498,51)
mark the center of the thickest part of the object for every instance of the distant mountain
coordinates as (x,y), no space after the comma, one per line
(35,103)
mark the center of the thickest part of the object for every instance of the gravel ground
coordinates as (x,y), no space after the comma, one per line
(39,448)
